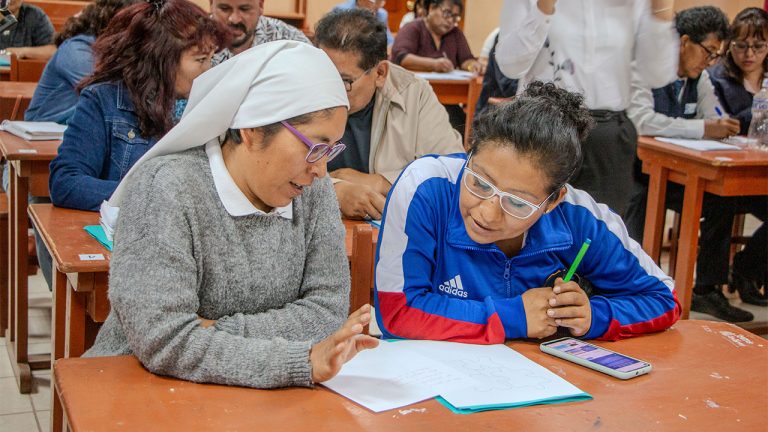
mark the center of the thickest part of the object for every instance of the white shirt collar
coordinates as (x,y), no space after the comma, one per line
(234,200)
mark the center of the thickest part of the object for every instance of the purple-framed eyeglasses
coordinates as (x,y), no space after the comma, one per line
(316,150)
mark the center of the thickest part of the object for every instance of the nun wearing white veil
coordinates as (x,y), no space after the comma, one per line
(229,264)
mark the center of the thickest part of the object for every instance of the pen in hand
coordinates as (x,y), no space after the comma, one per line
(577,261)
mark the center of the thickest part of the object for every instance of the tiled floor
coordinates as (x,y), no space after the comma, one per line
(31,413)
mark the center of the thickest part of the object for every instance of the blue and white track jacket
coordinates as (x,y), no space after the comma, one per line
(434,282)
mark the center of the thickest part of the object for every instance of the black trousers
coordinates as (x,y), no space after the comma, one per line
(715,238)
(609,152)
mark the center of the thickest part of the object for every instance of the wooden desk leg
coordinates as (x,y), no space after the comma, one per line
(689,239)
(4,304)
(11,331)
(18,281)
(654,213)
(74,345)
(57,411)
(58,318)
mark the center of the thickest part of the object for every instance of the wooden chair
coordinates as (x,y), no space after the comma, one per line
(361,266)
(475,86)
(59,11)
(738,239)
(29,70)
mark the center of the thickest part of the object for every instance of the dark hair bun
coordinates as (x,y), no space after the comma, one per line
(570,104)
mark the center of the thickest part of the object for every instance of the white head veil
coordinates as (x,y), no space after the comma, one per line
(266,84)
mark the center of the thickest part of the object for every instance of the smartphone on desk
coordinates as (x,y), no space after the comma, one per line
(595,357)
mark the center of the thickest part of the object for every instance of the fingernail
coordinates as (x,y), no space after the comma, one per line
(556,290)
(558,322)
(552,302)
(551,312)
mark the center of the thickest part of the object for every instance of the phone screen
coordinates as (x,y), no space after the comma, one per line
(598,355)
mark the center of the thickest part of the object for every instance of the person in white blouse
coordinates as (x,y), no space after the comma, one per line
(588,46)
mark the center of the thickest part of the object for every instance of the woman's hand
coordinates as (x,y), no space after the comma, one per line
(205,323)
(536,303)
(328,355)
(441,64)
(570,307)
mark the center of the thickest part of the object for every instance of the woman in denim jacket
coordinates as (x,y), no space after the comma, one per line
(146,61)
(56,93)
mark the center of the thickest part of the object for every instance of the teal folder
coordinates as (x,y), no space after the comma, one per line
(480,408)
(97,232)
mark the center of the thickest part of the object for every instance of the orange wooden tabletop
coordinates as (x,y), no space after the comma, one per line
(706,376)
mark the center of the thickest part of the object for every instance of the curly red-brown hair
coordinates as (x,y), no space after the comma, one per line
(142,47)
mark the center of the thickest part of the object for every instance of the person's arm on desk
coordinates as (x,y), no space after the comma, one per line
(632,295)
(473,66)
(409,306)
(716,124)
(406,44)
(158,306)
(74,181)
(418,63)
(649,122)
(359,200)
(43,52)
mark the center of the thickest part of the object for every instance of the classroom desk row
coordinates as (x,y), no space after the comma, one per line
(706,376)
(724,173)
(81,266)
(28,164)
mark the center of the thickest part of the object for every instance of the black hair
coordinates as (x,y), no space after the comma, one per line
(269,131)
(428,4)
(357,31)
(545,123)
(749,22)
(701,21)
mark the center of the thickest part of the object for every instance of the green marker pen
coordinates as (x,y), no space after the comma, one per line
(576,262)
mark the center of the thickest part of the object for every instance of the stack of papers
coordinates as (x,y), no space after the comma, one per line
(108,220)
(35,131)
(465,378)
(700,145)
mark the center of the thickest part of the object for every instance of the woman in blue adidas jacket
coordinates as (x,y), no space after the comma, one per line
(468,242)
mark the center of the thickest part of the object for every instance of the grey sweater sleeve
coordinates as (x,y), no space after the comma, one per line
(157,305)
(318,312)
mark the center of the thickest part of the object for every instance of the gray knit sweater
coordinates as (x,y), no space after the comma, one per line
(275,286)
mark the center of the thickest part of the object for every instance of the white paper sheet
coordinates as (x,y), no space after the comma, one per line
(458,75)
(701,145)
(501,375)
(404,372)
(390,377)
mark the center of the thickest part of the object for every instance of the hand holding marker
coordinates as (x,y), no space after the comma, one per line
(577,261)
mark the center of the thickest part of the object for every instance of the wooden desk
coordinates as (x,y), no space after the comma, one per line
(5,73)
(456,92)
(59,11)
(707,376)
(79,286)
(360,242)
(28,175)
(14,98)
(725,173)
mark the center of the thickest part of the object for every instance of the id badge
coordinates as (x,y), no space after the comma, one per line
(690,108)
